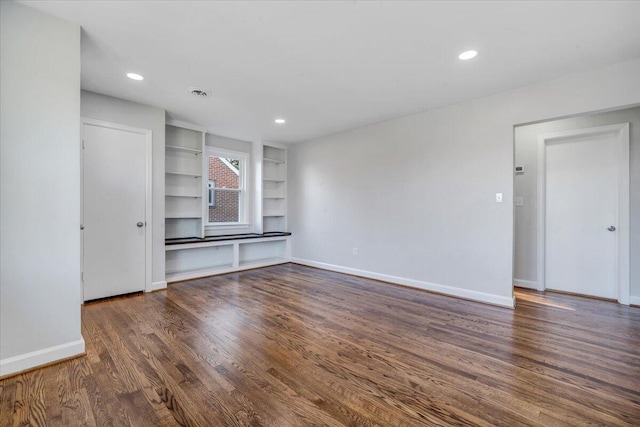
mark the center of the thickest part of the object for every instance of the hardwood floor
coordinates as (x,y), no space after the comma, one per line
(295,346)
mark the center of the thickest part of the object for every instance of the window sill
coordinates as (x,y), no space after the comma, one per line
(228,225)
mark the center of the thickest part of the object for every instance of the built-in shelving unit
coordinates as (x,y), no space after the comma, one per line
(188,253)
(186,261)
(194,175)
(274,188)
(184,204)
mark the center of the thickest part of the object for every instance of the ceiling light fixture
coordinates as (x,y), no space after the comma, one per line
(134,76)
(280,121)
(467,55)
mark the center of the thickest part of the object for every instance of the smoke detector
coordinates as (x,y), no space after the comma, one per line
(202,93)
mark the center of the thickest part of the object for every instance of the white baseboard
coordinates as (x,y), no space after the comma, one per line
(156,286)
(508,302)
(23,362)
(634,300)
(525,284)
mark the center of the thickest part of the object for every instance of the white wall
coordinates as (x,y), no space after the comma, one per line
(115,110)
(39,189)
(525,185)
(416,195)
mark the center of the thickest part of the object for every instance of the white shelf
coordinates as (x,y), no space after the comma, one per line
(194,175)
(182,227)
(199,270)
(276,161)
(182,217)
(185,149)
(188,261)
(273,179)
(263,263)
(177,276)
(273,214)
(191,196)
(273,223)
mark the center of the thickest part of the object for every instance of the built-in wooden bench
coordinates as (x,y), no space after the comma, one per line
(189,258)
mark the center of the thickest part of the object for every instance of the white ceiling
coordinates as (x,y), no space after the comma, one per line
(331,66)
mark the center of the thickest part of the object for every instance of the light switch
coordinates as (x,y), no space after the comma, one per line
(518,201)
(498,197)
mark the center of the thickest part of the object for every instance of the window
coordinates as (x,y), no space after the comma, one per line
(226,187)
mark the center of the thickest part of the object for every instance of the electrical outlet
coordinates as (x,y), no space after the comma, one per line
(498,197)
(355,251)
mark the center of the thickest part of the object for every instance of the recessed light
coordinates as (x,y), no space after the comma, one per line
(467,55)
(280,121)
(134,76)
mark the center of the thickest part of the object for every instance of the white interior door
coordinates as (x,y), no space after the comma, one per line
(114,204)
(582,215)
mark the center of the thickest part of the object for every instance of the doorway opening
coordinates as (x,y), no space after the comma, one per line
(576,205)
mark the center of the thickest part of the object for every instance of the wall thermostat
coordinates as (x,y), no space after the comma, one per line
(519,170)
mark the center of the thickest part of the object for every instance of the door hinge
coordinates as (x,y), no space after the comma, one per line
(83,144)
(82,276)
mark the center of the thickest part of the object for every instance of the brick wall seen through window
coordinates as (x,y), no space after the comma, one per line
(224,175)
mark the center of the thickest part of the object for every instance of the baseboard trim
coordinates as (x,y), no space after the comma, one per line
(156,286)
(525,284)
(508,302)
(46,356)
(634,300)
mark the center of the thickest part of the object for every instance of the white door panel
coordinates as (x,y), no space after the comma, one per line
(581,203)
(114,200)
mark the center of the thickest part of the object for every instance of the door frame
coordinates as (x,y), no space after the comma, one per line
(621,132)
(148,192)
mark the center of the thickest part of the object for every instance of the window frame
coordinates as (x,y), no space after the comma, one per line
(243,196)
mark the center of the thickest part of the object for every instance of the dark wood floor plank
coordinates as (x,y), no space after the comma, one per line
(145,375)
(29,405)
(189,404)
(59,392)
(77,410)
(295,346)
(7,399)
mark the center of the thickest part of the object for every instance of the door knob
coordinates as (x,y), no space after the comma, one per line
(140,224)
(611,228)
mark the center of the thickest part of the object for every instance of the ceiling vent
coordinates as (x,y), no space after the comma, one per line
(202,93)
